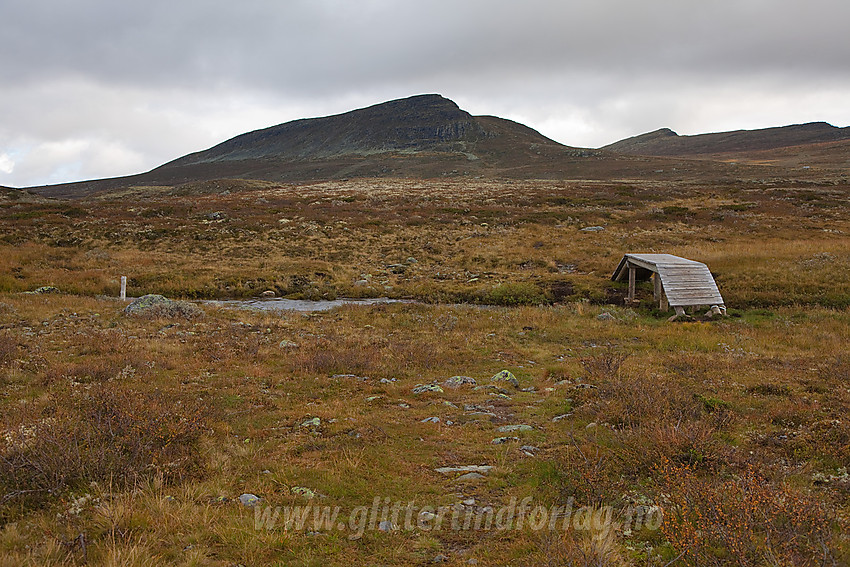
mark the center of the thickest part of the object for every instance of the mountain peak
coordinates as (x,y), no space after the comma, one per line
(422,122)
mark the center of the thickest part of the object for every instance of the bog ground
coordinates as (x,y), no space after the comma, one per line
(128,440)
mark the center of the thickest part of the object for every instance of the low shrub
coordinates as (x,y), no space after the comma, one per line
(106,434)
(744,519)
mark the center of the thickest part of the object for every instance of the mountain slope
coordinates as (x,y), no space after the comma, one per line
(9,194)
(666,142)
(423,136)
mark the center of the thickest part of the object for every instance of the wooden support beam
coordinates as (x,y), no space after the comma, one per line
(632,271)
(656,286)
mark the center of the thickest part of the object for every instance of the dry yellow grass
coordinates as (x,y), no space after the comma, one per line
(679,416)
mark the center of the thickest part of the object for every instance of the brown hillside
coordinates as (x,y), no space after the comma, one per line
(424,136)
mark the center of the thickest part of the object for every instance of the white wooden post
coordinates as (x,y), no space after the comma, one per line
(632,274)
(123,288)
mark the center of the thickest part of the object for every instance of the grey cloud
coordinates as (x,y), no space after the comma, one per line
(322,45)
(591,70)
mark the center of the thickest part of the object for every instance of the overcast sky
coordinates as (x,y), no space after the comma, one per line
(99,88)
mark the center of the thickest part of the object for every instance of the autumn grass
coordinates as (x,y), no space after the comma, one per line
(135,436)
(699,395)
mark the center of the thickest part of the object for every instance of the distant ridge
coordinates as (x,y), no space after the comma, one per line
(666,142)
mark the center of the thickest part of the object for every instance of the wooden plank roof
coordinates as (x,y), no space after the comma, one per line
(685,282)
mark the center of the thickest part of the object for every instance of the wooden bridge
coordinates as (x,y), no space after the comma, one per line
(678,282)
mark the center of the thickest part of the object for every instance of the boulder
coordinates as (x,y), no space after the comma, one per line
(153,305)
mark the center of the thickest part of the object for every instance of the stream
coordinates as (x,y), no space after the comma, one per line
(302,305)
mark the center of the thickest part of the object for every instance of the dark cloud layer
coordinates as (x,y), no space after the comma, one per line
(95,88)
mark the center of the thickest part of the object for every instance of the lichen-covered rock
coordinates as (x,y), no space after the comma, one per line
(303,491)
(518,427)
(312,422)
(423,388)
(153,305)
(43,289)
(506,376)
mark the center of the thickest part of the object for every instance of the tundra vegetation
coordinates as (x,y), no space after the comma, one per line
(128,440)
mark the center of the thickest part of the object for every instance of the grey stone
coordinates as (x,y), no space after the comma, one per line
(503,440)
(562,416)
(470,476)
(458,381)
(385,526)
(605,316)
(593,229)
(431,420)
(287,344)
(465,469)
(153,305)
(518,427)
(249,499)
(268,293)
